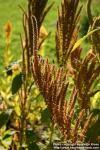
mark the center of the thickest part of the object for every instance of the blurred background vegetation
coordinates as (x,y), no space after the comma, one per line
(10,11)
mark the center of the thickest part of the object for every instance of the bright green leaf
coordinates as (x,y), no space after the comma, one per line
(79,42)
(8,134)
(17,83)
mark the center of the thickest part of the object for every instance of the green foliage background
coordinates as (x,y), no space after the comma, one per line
(10,11)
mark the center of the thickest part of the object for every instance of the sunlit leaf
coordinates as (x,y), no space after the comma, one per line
(8,134)
(7,138)
(79,42)
(4,117)
(17,83)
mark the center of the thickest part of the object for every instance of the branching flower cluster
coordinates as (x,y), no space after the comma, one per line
(53,82)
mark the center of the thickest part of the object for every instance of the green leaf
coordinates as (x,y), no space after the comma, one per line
(7,137)
(17,83)
(8,134)
(31,136)
(94,130)
(45,116)
(33,146)
(4,117)
(96,112)
(79,42)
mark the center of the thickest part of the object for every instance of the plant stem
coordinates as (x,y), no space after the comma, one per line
(51,134)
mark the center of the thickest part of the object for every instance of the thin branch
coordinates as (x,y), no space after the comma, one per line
(90,17)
